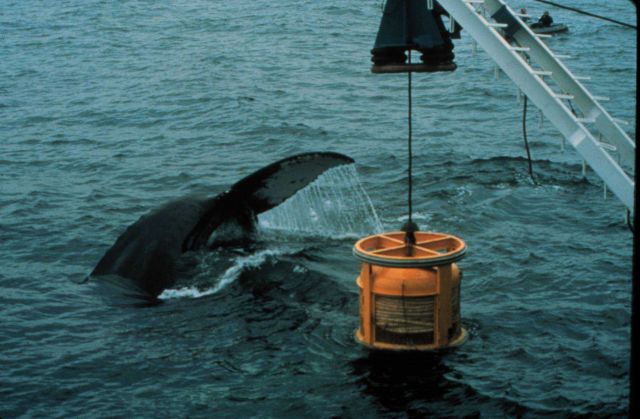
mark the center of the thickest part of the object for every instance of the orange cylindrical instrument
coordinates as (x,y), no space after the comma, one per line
(410,293)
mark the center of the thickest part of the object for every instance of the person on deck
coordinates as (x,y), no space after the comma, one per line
(545,20)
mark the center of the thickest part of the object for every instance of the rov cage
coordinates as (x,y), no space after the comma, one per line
(410,293)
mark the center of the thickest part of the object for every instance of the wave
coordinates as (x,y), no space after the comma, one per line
(240,265)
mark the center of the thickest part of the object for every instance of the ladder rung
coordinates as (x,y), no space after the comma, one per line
(520,49)
(620,121)
(543,35)
(563,96)
(607,146)
(586,120)
(542,73)
(497,25)
(562,56)
(474,1)
(582,77)
(520,15)
(601,98)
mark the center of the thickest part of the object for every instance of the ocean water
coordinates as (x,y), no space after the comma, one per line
(111,108)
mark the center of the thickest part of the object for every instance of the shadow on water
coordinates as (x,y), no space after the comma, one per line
(404,382)
(417,384)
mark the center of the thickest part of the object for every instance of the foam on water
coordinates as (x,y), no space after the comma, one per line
(420,216)
(333,205)
(230,275)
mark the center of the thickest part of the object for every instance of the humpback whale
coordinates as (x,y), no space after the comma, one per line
(146,253)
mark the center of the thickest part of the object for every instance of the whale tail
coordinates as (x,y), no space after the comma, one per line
(273,184)
(145,255)
(260,192)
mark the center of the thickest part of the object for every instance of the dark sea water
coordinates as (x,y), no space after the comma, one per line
(111,108)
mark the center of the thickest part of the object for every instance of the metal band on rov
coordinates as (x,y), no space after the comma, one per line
(430,249)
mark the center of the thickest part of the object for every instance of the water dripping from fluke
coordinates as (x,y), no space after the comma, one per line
(334,205)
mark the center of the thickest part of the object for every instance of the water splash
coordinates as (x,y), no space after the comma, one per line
(335,204)
(230,275)
(185,292)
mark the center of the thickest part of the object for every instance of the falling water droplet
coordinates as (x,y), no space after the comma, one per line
(335,204)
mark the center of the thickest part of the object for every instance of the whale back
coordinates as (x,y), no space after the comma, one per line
(147,250)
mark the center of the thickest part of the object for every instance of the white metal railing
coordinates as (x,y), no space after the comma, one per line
(513,46)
